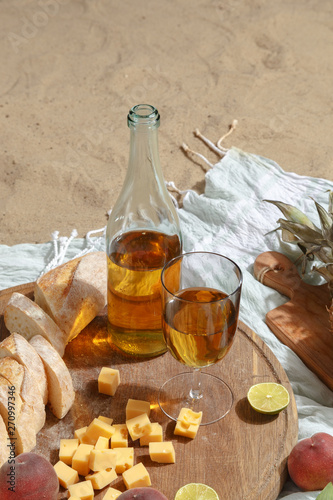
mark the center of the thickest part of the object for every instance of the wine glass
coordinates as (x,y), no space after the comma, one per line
(200,301)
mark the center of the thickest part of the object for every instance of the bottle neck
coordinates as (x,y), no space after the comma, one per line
(144,157)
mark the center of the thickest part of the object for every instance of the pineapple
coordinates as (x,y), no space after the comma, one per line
(314,242)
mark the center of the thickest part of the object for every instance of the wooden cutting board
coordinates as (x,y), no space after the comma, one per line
(302,323)
(242,456)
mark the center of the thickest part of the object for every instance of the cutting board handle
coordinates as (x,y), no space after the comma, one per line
(275,270)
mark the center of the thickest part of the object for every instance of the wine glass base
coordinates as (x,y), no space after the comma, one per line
(215,403)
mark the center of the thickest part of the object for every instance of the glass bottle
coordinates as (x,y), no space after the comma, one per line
(143,233)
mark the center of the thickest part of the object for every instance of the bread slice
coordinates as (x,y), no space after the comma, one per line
(18,376)
(25,317)
(18,348)
(59,380)
(20,421)
(4,443)
(74,293)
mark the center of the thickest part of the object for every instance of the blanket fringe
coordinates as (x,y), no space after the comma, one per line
(217,148)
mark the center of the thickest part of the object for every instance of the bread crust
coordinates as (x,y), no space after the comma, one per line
(25,317)
(60,385)
(74,293)
(24,383)
(21,427)
(18,348)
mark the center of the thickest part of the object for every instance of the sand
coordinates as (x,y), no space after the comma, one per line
(70,71)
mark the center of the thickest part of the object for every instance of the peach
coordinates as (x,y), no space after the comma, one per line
(28,476)
(144,493)
(310,463)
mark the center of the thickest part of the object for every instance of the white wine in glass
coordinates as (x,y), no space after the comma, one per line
(200,300)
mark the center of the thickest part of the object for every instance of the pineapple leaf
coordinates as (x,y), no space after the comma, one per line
(304,232)
(330,203)
(288,236)
(293,214)
(326,222)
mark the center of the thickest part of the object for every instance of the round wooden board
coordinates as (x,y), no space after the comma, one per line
(242,456)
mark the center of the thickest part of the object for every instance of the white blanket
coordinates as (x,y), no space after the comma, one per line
(230,218)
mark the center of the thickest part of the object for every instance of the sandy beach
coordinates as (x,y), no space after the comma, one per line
(71,69)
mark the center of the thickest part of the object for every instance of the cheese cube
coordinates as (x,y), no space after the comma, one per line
(120,436)
(156,435)
(188,423)
(67,449)
(108,381)
(74,498)
(125,459)
(102,443)
(80,460)
(111,494)
(136,407)
(102,478)
(79,433)
(163,453)
(108,420)
(102,459)
(83,490)
(139,426)
(136,476)
(66,474)
(95,429)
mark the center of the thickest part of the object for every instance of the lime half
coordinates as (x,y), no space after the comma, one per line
(268,397)
(196,491)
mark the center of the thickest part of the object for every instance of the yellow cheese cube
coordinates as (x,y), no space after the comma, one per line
(136,407)
(73,498)
(95,429)
(102,459)
(66,474)
(80,460)
(120,436)
(188,423)
(83,490)
(163,453)
(108,420)
(108,381)
(79,433)
(139,426)
(67,449)
(102,478)
(136,476)
(125,459)
(102,443)
(156,435)
(111,494)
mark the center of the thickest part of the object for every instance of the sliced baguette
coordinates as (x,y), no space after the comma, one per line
(25,317)
(20,422)
(59,380)
(74,293)
(4,443)
(18,348)
(24,383)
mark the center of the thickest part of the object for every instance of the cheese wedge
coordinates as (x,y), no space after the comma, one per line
(102,478)
(111,494)
(61,393)
(18,376)
(83,490)
(66,474)
(25,317)
(18,348)
(74,293)
(136,476)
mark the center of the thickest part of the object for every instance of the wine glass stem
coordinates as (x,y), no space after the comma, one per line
(196,390)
